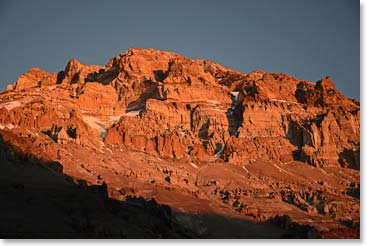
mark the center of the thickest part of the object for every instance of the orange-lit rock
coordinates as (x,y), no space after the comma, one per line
(195,134)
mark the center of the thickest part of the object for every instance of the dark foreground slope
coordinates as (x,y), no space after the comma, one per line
(39,201)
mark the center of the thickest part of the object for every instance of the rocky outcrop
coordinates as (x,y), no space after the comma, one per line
(239,118)
(34,78)
(195,128)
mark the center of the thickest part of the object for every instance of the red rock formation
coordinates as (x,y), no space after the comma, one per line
(35,77)
(194,128)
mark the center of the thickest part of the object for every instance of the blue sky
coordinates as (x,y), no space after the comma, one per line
(306,39)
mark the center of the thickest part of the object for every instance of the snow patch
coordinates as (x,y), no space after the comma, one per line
(284,101)
(115,119)
(103,134)
(192,164)
(235,95)
(220,151)
(12,104)
(244,168)
(282,170)
(94,122)
(52,87)
(133,113)
(213,102)
(9,126)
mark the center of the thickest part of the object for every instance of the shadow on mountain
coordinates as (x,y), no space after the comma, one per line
(204,131)
(159,75)
(214,226)
(39,201)
(350,158)
(354,190)
(152,91)
(102,76)
(234,116)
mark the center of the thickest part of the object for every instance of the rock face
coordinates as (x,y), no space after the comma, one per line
(182,116)
(35,77)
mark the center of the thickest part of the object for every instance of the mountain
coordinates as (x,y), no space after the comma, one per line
(265,155)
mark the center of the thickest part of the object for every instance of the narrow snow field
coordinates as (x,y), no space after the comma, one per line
(244,168)
(248,172)
(192,164)
(94,122)
(284,101)
(9,126)
(221,150)
(115,119)
(13,104)
(101,125)
(133,113)
(235,95)
(52,87)
(213,102)
(282,170)
(103,134)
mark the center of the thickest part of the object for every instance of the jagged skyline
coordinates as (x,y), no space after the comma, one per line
(261,149)
(306,39)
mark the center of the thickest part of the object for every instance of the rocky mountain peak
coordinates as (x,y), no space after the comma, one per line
(170,126)
(326,83)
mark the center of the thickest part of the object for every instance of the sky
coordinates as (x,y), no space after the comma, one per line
(308,39)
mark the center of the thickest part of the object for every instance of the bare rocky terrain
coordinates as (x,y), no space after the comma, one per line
(155,145)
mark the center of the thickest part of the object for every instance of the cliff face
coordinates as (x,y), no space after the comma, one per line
(167,108)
